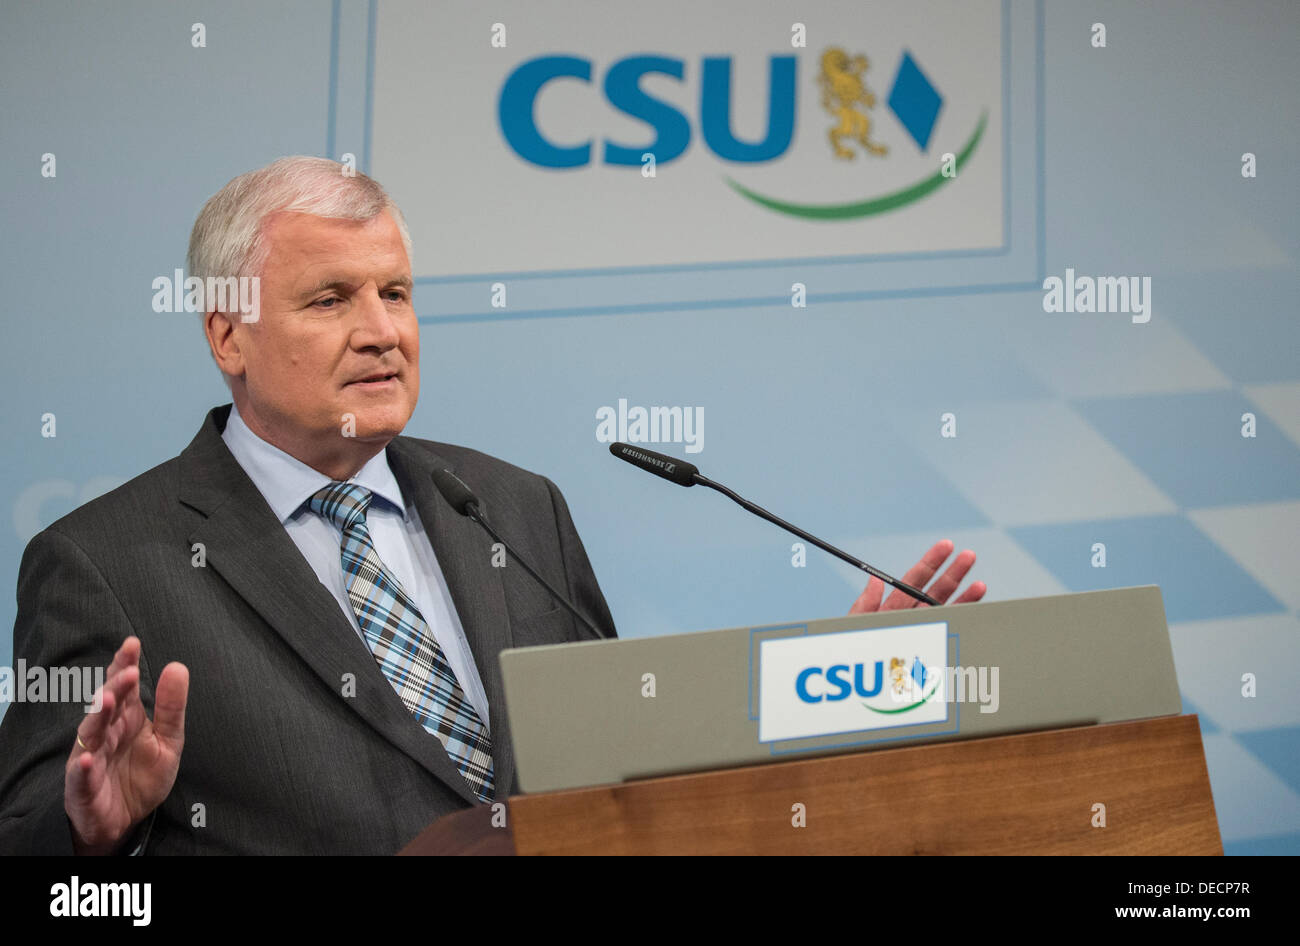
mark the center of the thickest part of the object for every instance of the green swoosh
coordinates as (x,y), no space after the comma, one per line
(906,708)
(874,205)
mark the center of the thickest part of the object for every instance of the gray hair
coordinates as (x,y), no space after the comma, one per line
(228,238)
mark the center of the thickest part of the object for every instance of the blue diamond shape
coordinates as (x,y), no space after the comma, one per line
(915,101)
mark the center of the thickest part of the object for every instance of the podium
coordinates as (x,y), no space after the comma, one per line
(1037,726)
(1029,793)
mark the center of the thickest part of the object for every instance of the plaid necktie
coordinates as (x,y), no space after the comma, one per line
(400,639)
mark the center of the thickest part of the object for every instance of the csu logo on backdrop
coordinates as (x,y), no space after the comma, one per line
(855,125)
(622,89)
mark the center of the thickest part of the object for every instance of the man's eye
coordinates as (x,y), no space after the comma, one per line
(327,302)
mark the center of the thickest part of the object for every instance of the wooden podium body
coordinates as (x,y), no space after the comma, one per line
(1031,793)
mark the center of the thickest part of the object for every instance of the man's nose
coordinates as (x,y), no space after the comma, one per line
(375,326)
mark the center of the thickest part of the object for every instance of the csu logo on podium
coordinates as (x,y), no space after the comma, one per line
(911,684)
(852,681)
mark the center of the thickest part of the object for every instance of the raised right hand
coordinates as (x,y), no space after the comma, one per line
(125,764)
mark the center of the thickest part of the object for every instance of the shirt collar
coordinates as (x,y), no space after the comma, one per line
(287,483)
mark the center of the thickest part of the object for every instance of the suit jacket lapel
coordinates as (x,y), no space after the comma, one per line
(246,544)
(464,553)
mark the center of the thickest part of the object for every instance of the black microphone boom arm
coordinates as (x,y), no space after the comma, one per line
(762,513)
(462,499)
(687,474)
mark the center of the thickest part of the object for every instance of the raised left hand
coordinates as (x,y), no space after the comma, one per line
(917,576)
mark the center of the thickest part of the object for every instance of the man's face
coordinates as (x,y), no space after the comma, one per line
(336,349)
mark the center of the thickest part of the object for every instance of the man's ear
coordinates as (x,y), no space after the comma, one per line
(224,342)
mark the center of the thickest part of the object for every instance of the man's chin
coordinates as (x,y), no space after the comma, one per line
(373,422)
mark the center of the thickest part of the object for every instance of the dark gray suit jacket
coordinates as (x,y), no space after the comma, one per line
(280,760)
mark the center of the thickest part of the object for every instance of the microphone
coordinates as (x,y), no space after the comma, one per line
(671,469)
(687,474)
(462,499)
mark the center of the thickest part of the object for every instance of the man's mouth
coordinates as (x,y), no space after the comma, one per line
(377,378)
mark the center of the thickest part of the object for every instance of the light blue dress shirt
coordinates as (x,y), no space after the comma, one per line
(395,528)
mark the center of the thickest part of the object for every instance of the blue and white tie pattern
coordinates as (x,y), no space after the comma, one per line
(400,639)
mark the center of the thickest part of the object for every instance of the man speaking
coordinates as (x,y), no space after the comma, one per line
(300,634)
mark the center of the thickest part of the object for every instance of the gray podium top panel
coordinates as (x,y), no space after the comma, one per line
(583,714)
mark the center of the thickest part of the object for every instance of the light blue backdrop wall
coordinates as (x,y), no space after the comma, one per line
(1071,431)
